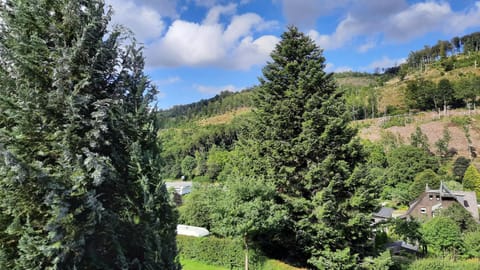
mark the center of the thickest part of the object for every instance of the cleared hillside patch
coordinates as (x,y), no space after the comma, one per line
(224,118)
(432,124)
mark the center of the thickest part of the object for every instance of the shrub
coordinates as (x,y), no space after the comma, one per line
(472,244)
(397,120)
(225,252)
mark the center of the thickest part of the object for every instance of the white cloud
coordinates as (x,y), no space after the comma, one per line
(418,20)
(330,67)
(215,89)
(367,46)
(144,21)
(395,21)
(161,95)
(169,80)
(214,14)
(460,22)
(384,62)
(342,69)
(211,43)
(206,3)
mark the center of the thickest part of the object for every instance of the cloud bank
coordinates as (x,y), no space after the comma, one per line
(223,39)
(374,21)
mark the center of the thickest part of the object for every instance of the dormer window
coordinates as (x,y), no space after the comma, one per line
(430,197)
(437,197)
(423,210)
(465,203)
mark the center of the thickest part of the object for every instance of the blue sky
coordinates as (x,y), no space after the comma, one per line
(196,48)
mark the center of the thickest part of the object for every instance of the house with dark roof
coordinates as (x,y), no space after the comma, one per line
(398,247)
(432,200)
(382,215)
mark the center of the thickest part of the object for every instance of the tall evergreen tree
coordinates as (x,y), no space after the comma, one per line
(79,174)
(304,145)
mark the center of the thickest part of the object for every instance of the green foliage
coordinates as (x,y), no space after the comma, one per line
(460,167)
(442,235)
(419,140)
(408,231)
(445,92)
(454,185)
(79,179)
(461,216)
(188,165)
(406,161)
(362,102)
(382,262)
(301,141)
(340,259)
(197,141)
(246,208)
(199,206)
(421,180)
(216,161)
(376,154)
(471,179)
(420,94)
(389,140)
(224,252)
(222,103)
(442,144)
(443,264)
(468,88)
(472,244)
(396,121)
(195,265)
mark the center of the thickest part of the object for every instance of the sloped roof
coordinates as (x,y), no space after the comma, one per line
(384,212)
(467,199)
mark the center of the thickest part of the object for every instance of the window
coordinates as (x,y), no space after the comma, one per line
(465,203)
(438,197)
(423,210)
(430,197)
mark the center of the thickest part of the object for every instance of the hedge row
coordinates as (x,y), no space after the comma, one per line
(223,252)
(444,264)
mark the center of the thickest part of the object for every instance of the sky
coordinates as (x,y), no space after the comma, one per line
(194,49)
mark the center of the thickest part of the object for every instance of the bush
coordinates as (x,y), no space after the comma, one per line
(397,120)
(472,244)
(461,121)
(225,252)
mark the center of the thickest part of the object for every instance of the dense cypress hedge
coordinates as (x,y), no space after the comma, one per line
(225,252)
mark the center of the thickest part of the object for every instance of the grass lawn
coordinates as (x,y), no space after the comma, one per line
(269,265)
(194,265)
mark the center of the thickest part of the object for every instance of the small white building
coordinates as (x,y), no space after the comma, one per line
(181,187)
(192,231)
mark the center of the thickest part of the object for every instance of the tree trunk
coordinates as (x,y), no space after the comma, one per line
(246,251)
(444,107)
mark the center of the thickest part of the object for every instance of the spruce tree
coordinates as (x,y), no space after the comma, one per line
(303,143)
(79,174)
